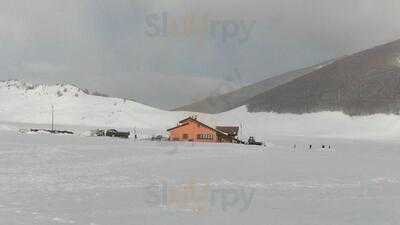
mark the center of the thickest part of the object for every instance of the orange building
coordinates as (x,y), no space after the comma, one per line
(190,129)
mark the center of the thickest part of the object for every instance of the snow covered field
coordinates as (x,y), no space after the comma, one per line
(46,179)
(84,180)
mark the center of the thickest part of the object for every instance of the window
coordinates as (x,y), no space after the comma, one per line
(204,136)
(185,136)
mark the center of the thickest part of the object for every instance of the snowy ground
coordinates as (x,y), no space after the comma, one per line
(84,180)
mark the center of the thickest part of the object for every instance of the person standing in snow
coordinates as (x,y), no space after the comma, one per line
(308,148)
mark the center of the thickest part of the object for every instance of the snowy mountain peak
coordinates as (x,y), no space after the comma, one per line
(57,90)
(28,103)
(15,84)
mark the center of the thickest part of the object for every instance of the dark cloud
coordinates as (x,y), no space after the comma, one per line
(104,45)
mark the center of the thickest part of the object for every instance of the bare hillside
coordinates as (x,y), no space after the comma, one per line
(361,84)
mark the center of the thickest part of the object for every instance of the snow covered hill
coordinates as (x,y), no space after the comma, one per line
(25,103)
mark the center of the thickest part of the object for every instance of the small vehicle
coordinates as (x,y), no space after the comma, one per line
(158,138)
(111,133)
(252,141)
(115,133)
(99,133)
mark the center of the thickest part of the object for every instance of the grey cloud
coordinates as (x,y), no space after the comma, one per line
(95,43)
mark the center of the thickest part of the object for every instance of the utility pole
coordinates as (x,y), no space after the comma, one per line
(241,130)
(52,118)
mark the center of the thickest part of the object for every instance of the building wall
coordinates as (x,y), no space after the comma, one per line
(192,130)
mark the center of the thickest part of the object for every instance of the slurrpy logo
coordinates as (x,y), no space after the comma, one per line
(199,197)
(203,27)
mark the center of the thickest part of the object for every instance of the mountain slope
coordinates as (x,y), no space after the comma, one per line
(361,84)
(26,103)
(231,100)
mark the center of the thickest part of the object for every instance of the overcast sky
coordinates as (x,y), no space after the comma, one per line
(122,47)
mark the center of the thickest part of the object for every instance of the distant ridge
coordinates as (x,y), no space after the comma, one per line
(365,83)
(232,100)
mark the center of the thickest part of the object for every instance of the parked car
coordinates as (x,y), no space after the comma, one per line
(252,141)
(115,133)
(99,133)
(111,133)
(159,138)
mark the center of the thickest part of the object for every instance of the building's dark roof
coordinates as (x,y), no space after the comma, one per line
(189,118)
(178,126)
(229,130)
